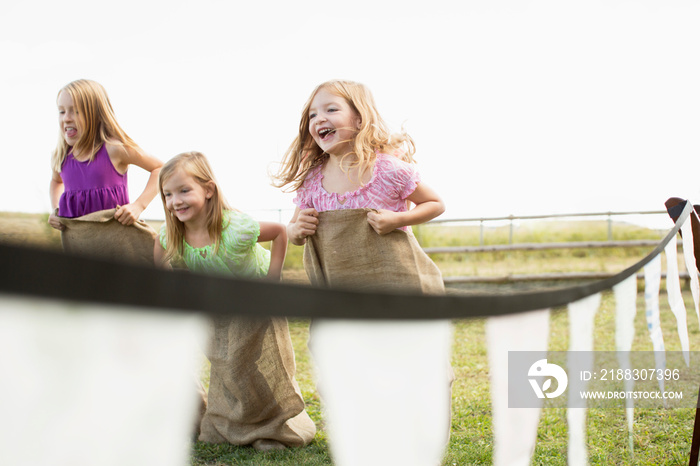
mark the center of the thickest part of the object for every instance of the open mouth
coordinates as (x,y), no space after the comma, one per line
(71,132)
(325,133)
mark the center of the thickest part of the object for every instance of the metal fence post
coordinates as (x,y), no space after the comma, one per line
(481,232)
(510,232)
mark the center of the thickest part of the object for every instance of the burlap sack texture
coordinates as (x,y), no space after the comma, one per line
(100,235)
(253,393)
(347,253)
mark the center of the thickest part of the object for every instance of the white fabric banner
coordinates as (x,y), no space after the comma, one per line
(581,322)
(385,387)
(626,309)
(652,284)
(515,429)
(690,264)
(675,297)
(86,385)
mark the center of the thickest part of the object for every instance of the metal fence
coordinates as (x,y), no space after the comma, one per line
(511,220)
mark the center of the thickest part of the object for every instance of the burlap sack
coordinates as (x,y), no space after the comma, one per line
(100,235)
(383,383)
(346,252)
(252,390)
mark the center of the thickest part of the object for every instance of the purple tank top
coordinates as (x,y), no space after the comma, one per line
(91,186)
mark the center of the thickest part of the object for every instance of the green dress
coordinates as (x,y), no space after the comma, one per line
(240,255)
(253,394)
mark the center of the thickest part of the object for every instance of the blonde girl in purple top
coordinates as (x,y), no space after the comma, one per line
(91,159)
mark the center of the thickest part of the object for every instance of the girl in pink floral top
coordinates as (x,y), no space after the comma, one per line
(383,382)
(345,157)
(392,182)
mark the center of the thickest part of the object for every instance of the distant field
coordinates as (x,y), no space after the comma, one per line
(33,230)
(28,230)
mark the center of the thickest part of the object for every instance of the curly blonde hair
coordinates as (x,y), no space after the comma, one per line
(97,120)
(373,137)
(197,166)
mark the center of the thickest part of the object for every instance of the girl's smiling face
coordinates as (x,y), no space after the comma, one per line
(186,197)
(68,119)
(333,123)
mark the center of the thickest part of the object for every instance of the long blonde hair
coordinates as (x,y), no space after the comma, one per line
(97,121)
(197,166)
(373,136)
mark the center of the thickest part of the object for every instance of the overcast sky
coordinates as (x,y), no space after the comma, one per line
(517,107)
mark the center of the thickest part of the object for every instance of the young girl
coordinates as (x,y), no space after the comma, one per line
(92,157)
(331,165)
(253,395)
(348,169)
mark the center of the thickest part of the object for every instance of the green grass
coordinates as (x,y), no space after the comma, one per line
(501,263)
(661,437)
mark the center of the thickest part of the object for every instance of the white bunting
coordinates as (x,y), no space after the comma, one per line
(626,309)
(515,429)
(652,284)
(690,264)
(675,297)
(84,385)
(385,387)
(581,322)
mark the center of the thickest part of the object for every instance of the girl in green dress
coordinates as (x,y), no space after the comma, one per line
(253,396)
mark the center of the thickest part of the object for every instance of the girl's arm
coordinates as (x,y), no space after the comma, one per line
(277,233)
(55,190)
(122,157)
(302,224)
(428,205)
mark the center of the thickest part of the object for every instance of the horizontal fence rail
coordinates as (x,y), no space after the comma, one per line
(545,216)
(514,246)
(513,218)
(545,277)
(541,246)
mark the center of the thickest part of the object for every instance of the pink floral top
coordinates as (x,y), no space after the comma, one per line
(392,181)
